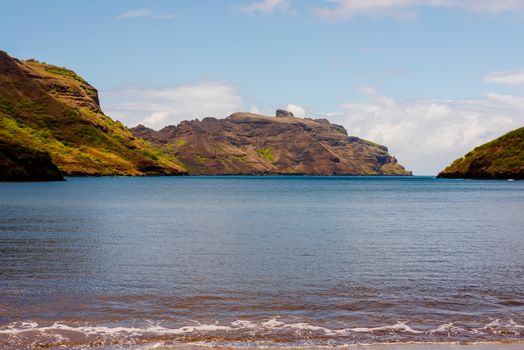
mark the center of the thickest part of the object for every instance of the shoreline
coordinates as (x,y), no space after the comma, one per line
(519,345)
(384,346)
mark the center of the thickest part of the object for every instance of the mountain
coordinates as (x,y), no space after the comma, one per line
(50,118)
(51,125)
(502,158)
(246,143)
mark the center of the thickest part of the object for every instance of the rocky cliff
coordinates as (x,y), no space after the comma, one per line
(19,163)
(502,158)
(50,118)
(246,143)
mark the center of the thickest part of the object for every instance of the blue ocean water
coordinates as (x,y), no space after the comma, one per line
(260,260)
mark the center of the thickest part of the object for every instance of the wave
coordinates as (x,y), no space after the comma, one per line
(274,330)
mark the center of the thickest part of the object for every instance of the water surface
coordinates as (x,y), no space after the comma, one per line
(243,261)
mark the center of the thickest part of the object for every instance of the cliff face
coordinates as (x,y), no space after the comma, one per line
(18,163)
(502,158)
(50,110)
(246,143)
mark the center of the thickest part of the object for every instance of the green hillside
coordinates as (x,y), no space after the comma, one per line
(53,111)
(502,158)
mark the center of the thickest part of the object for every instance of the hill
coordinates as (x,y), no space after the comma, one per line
(502,158)
(48,112)
(246,143)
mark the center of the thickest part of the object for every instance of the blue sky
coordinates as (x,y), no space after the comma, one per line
(429,79)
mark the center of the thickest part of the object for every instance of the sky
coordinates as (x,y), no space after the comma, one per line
(430,79)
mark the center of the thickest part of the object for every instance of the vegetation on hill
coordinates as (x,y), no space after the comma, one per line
(51,110)
(502,158)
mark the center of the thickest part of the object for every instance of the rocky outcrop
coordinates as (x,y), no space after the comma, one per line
(502,158)
(50,111)
(282,113)
(18,163)
(246,143)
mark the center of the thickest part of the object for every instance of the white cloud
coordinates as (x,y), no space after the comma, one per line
(298,111)
(426,135)
(506,77)
(145,13)
(157,108)
(349,8)
(407,9)
(135,13)
(265,6)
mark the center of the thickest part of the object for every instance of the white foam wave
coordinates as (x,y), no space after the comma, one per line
(265,327)
(399,326)
(25,327)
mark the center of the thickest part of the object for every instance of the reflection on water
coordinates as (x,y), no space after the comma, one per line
(292,261)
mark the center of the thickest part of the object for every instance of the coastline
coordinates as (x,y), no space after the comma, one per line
(385,346)
(136,249)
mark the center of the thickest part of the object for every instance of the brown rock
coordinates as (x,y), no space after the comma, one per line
(246,143)
(282,113)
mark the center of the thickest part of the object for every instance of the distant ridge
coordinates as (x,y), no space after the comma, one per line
(252,144)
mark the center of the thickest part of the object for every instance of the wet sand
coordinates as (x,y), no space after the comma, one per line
(441,347)
(428,346)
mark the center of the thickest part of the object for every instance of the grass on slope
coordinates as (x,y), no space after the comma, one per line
(63,119)
(502,157)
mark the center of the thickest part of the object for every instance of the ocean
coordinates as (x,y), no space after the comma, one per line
(233,262)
